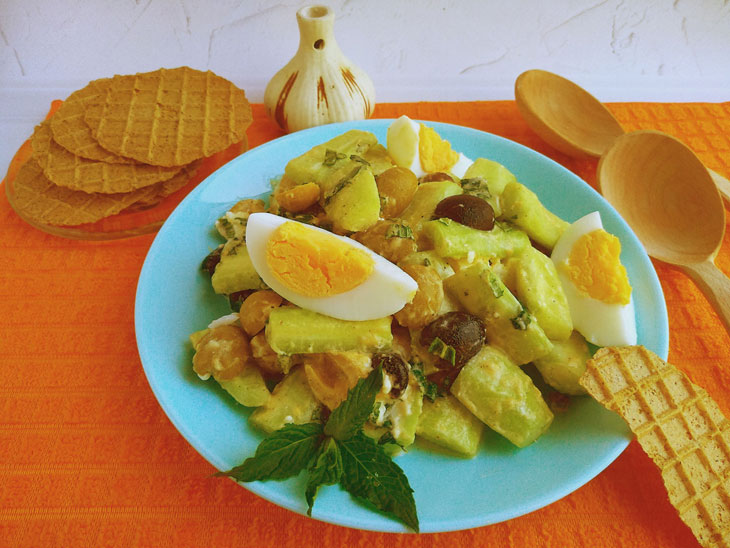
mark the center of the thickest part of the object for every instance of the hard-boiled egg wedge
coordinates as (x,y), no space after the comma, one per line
(324,272)
(595,283)
(420,149)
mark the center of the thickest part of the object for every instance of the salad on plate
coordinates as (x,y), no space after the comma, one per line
(389,293)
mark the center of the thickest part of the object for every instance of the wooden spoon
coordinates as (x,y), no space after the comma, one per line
(666,195)
(571,119)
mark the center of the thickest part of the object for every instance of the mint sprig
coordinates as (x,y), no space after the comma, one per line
(338,452)
(283,454)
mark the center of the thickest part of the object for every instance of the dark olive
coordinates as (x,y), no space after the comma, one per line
(454,337)
(211,260)
(396,369)
(468,210)
(437,176)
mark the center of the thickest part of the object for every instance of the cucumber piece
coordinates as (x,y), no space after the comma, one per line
(448,424)
(291,401)
(293,330)
(523,208)
(565,364)
(508,324)
(539,288)
(456,241)
(315,164)
(248,388)
(495,174)
(487,179)
(503,396)
(235,271)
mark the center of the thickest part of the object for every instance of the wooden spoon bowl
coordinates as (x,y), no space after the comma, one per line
(667,196)
(564,114)
(572,120)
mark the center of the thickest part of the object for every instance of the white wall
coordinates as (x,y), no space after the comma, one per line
(413,50)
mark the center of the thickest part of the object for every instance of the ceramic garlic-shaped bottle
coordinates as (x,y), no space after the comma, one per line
(319,85)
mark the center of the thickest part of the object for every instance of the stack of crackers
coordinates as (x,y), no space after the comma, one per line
(126,141)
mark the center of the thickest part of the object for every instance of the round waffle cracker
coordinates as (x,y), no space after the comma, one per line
(169,117)
(679,426)
(165,188)
(38,199)
(72,133)
(76,173)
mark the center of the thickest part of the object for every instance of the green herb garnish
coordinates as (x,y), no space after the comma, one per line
(495,285)
(430,389)
(399,231)
(443,350)
(476,186)
(331,157)
(522,320)
(342,183)
(336,452)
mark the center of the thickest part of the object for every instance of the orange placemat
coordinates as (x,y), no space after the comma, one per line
(88,458)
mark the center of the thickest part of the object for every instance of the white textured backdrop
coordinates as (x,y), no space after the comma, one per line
(413,50)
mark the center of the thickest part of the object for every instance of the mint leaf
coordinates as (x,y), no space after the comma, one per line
(369,474)
(347,419)
(283,454)
(326,470)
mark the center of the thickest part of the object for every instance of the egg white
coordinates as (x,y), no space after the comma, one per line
(402,142)
(600,323)
(384,292)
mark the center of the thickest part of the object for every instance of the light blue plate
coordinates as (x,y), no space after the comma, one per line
(174,298)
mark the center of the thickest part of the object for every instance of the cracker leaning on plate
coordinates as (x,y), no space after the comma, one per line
(127,141)
(678,425)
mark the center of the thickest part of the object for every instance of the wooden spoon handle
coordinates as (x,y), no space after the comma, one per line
(723,185)
(715,285)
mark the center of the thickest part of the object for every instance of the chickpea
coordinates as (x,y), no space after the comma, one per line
(331,375)
(265,357)
(426,304)
(255,310)
(222,352)
(437,176)
(300,197)
(396,187)
(383,238)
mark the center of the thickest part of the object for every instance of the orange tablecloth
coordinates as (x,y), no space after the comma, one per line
(88,458)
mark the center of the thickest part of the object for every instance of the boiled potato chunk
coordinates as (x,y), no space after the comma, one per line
(350,197)
(291,402)
(235,271)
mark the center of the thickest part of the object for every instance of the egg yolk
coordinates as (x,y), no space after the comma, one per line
(436,154)
(595,268)
(315,264)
